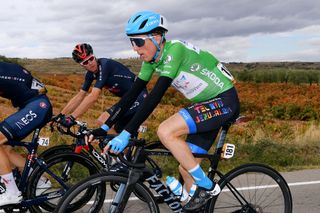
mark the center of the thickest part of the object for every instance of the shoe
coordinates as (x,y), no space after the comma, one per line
(2,187)
(8,198)
(118,167)
(43,185)
(201,196)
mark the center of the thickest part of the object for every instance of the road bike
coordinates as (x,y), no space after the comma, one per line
(62,165)
(248,188)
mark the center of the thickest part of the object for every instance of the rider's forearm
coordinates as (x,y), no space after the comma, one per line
(126,101)
(149,104)
(86,104)
(74,102)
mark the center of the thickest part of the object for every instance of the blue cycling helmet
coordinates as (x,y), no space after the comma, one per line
(145,22)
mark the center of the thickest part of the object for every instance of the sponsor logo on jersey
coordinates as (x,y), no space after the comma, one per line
(122,76)
(26,119)
(162,72)
(181,83)
(168,59)
(114,88)
(25,71)
(134,105)
(11,78)
(2,188)
(43,105)
(100,72)
(189,85)
(215,79)
(195,67)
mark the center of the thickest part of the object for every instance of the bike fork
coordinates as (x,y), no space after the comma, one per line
(122,196)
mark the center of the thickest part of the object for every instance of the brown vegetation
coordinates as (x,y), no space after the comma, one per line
(281,113)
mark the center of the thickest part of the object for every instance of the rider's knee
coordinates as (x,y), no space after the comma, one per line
(3,138)
(163,133)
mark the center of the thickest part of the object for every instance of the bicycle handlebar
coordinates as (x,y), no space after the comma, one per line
(82,131)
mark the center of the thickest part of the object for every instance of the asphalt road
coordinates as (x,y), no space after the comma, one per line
(305,190)
(304,186)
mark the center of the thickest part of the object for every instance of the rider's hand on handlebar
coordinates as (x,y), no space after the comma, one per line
(67,121)
(119,143)
(101,131)
(98,132)
(57,118)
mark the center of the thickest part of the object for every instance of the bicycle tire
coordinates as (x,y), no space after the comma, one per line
(48,153)
(52,151)
(81,167)
(262,187)
(148,204)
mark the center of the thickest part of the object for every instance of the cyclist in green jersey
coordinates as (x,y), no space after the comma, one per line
(200,77)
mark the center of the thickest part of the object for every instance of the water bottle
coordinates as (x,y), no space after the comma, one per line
(177,188)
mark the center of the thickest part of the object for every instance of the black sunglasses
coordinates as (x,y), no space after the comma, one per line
(138,41)
(86,62)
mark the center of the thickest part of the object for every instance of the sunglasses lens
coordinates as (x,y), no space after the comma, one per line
(87,61)
(139,42)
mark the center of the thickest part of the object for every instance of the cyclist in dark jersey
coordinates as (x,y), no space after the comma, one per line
(34,110)
(106,73)
(200,77)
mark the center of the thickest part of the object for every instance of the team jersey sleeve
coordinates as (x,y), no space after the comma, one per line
(149,104)
(120,108)
(87,81)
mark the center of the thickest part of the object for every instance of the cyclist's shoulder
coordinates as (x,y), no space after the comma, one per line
(111,64)
(10,68)
(180,50)
(174,46)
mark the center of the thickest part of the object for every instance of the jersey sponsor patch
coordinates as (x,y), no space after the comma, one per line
(189,85)
(225,71)
(25,71)
(26,119)
(36,84)
(213,76)
(168,59)
(195,67)
(43,105)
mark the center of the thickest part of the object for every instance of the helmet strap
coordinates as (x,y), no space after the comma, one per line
(157,45)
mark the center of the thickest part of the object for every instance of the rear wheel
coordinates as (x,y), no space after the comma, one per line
(252,188)
(48,153)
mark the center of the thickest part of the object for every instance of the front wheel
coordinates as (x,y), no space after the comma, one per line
(69,168)
(252,188)
(134,204)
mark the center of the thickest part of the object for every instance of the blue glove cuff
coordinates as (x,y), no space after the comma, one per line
(105,127)
(124,133)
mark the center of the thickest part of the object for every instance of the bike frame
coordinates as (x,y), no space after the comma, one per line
(137,171)
(32,160)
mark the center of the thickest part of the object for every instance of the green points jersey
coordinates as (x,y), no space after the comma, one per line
(197,74)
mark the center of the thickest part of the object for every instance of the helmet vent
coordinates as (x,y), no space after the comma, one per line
(136,18)
(143,23)
(161,21)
